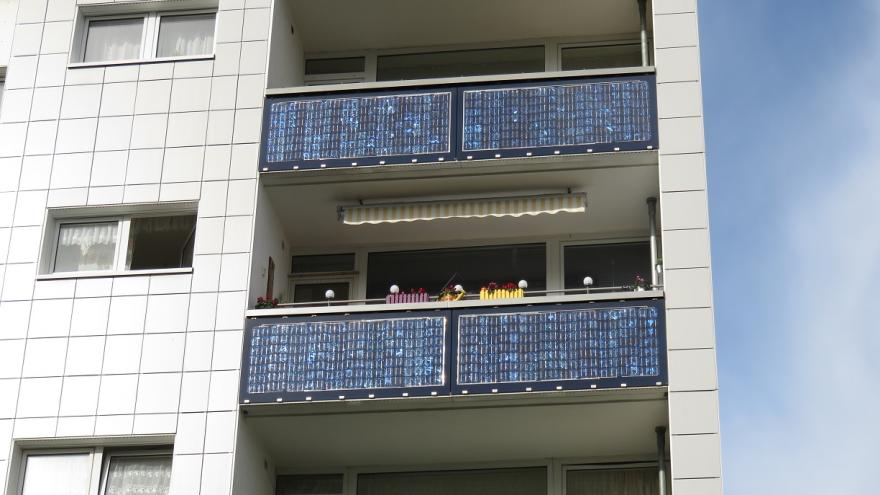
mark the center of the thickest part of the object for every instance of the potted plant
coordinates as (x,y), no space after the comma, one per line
(266,303)
(640,284)
(451,293)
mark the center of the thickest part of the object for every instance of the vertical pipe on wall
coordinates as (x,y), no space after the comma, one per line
(652,225)
(643,26)
(661,458)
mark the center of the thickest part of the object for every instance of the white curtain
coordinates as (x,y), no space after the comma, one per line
(148,475)
(57,474)
(183,35)
(516,481)
(117,39)
(86,246)
(612,482)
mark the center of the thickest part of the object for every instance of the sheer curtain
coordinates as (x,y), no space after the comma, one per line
(182,35)
(117,39)
(635,481)
(57,474)
(516,481)
(148,475)
(86,246)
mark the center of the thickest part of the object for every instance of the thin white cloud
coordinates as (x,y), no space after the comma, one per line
(822,436)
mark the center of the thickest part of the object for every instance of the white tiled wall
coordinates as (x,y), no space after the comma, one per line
(693,397)
(155,354)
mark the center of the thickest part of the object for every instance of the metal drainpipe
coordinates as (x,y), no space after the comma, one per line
(661,458)
(652,225)
(643,19)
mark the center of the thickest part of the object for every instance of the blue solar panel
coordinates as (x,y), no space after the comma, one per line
(347,354)
(555,345)
(557,115)
(358,127)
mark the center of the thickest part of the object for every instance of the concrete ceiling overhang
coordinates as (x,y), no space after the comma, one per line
(343,25)
(616,186)
(600,426)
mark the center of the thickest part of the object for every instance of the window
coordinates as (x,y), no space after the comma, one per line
(323,263)
(114,39)
(185,35)
(123,472)
(57,474)
(124,243)
(510,481)
(315,291)
(601,56)
(309,484)
(628,481)
(609,265)
(458,63)
(313,275)
(147,36)
(335,70)
(472,267)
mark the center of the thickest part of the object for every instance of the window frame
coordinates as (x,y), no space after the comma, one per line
(123,233)
(318,278)
(107,457)
(87,21)
(552,56)
(99,462)
(593,242)
(152,21)
(171,13)
(599,44)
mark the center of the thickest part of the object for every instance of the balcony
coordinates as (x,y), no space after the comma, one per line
(542,344)
(461,120)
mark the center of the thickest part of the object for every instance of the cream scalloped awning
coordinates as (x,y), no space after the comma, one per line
(464,208)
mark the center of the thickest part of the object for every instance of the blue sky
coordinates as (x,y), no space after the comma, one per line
(792,102)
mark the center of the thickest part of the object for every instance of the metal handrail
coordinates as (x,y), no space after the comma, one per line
(466,297)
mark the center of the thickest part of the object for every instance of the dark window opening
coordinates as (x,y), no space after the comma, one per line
(510,481)
(459,63)
(309,484)
(602,57)
(609,265)
(323,263)
(346,65)
(472,267)
(161,242)
(316,291)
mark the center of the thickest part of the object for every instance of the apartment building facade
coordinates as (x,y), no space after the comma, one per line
(355,247)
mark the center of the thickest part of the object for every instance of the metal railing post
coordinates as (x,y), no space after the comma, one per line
(643,26)
(652,225)
(661,458)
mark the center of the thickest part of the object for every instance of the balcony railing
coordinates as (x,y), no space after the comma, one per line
(432,124)
(463,348)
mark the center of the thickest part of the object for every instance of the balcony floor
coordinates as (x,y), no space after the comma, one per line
(600,425)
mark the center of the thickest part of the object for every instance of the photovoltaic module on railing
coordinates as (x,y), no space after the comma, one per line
(356,128)
(310,357)
(559,345)
(558,115)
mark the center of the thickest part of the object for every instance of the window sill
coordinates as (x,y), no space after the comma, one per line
(110,63)
(108,274)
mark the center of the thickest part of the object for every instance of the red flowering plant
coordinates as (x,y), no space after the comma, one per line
(491,286)
(265,303)
(451,293)
(639,283)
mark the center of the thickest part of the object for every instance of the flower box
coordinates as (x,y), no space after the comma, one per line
(487,294)
(407,298)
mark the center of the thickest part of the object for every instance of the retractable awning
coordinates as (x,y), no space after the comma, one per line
(511,206)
